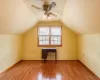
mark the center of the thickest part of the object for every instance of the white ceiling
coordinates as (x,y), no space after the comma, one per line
(82,16)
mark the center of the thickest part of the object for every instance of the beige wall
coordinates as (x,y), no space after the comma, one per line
(66,52)
(89,51)
(10,50)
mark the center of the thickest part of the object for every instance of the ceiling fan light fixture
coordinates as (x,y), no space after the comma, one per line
(45,17)
(49,18)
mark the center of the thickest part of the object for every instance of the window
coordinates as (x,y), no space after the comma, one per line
(49,36)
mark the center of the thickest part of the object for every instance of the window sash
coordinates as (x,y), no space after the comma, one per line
(43,31)
(43,40)
(55,40)
(55,30)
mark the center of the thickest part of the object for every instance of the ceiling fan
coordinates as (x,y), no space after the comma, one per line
(47,7)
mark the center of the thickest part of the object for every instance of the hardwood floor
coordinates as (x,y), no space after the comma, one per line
(37,70)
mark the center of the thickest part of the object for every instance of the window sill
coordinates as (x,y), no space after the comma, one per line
(49,45)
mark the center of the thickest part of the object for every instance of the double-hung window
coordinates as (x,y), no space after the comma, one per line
(49,36)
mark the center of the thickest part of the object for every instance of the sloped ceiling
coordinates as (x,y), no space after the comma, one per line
(82,16)
(15,17)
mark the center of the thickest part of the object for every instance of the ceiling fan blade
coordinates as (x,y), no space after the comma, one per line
(53,4)
(53,14)
(35,7)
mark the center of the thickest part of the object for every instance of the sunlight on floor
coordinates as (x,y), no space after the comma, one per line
(41,77)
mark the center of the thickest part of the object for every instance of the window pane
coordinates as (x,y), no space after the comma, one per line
(55,40)
(55,30)
(43,31)
(43,40)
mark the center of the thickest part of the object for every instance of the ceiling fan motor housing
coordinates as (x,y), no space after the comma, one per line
(45,7)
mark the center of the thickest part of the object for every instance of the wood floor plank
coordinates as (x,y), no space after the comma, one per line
(37,70)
